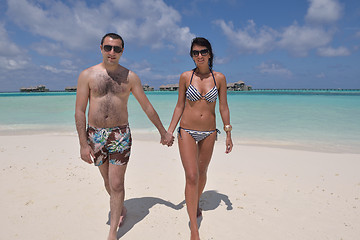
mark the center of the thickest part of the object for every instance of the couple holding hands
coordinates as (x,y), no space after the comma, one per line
(105,136)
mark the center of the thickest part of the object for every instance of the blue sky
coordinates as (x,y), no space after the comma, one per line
(266,44)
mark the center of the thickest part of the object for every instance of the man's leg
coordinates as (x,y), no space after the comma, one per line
(117,194)
(104,170)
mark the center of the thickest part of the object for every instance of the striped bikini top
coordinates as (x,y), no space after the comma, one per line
(194,95)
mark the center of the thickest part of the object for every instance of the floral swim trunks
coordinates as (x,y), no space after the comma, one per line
(110,144)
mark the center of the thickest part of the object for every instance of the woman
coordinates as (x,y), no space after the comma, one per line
(198,92)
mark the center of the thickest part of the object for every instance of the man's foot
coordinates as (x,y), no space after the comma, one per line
(199,212)
(112,238)
(122,217)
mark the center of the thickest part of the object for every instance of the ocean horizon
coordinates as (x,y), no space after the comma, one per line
(239,91)
(314,120)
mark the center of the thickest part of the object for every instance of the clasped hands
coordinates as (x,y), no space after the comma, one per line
(167,139)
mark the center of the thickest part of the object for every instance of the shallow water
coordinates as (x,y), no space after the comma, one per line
(319,121)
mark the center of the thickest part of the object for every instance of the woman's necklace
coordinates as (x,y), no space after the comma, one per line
(202,75)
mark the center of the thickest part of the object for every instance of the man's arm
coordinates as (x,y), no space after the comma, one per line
(82,97)
(138,92)
(180,105)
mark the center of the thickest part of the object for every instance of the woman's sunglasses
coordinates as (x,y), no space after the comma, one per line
(108,48)
(203,52)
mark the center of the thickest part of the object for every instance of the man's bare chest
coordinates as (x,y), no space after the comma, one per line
(104,84)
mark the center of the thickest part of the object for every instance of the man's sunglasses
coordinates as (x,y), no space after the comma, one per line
(108,48)
(203,52)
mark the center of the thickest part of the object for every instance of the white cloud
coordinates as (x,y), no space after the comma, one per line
(46,48)
(141,68)
(274,69)
(7,48)
(146,22)
(57,70)
(50,68)
(12,57)
(56,21)
(333,52)
(151,22)
(68,64)
(300,39)
(296,39)
(250,39)
(321,75)
(14,63)
(224,60)
(324,11)
(146,72)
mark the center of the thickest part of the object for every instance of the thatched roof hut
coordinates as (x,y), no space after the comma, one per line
(169,87)
(146,87)
(238,86)
(71,89)
(40,88)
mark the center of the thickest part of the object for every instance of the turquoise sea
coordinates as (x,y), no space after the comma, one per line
(326,121)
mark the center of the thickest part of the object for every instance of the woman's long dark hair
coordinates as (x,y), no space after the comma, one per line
(205,43)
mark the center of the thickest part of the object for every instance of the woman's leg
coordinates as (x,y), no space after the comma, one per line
(205,150)
(188,153)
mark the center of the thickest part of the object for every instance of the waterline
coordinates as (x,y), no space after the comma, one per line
(317,121)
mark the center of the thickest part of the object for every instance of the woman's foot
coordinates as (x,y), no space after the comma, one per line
(199,212)
(194,235)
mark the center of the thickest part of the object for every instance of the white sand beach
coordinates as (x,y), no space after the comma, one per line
(48,192)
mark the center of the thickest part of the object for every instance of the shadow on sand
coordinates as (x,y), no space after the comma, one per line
(139,208)
(210,200)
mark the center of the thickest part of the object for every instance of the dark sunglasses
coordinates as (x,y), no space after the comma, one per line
(203,52)
(108,48)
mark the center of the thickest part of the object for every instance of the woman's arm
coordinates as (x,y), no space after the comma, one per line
(224,109)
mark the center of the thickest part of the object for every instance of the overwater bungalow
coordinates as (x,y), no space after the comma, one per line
(146,87)
(71,89)
(40,88)
(238,86)
(169,87)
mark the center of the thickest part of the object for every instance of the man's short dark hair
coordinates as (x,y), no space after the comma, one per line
(113,36)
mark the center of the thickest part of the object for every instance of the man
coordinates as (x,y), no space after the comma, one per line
(107,139)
